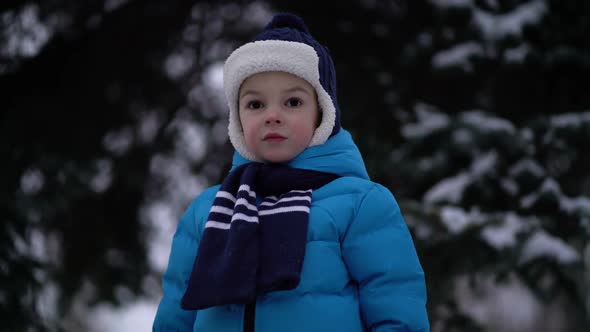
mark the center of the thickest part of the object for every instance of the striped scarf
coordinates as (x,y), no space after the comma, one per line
(255,236)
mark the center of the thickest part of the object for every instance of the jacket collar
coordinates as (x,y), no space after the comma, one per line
(339,155)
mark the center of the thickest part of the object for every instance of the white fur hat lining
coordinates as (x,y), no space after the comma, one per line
(295,58)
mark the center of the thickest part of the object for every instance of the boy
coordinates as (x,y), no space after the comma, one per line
(297,238)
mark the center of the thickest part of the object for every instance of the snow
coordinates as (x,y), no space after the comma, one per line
(451,189)
(25,34)
(517,54)
(510,186)
(118,141)
(504,234)
(527,165)
(174,186)
(484,164)
(458,220)
(111,5)
(427,163)
(462,136)
(135,316)
(191,141)
(103,177)
(507,306)
(454,218)
(213,76)
(542,244)
(178,64)
(429,120)
(147,128)
(452,3)
(487,123)
(549,186)
(457,56)
(498,26)
(32,181)
(578,205)
(448,190)
(162,221)
(570,120)
(209,97)
(47,301)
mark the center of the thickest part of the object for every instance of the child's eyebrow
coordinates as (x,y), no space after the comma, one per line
(290,90)
(298,88)
(248,92)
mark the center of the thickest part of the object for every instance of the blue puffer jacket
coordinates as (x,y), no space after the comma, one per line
(360,271)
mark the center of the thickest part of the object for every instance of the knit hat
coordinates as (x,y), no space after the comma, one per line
(284,45)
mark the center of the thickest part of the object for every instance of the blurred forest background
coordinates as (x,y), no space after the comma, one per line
(475,113)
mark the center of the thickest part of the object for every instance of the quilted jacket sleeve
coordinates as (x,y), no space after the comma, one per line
(380,255)
(170,316)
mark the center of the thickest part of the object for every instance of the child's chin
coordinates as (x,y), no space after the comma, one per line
(276,158)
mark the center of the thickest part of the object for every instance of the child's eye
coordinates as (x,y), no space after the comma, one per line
(294,102)
(254,104)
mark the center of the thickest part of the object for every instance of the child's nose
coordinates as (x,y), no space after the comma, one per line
(273,116)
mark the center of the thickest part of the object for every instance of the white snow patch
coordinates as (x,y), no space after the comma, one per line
(111,5)
(504,235)
(24,34)
(119,141)
(103,177)
(209,97)
(256,14)
(179,63)
(454,218)
(516,54)
(486,122)
(542,244)
(457,220)
(429,120)
(147,126)
(162,220)
(457,56)
(579,205)
(449,189)
(527,165)
(192,140)
(452,3)
(549,186)
(462,136)
(495,27)
(32,181)
(506,306)
(510,186)
(135,316)
(484,164)
(570,120)
(47,301)
(213,76)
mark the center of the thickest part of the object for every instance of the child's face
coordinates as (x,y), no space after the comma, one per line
(278,113)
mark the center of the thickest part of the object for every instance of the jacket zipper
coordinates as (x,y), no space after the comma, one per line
(249,315)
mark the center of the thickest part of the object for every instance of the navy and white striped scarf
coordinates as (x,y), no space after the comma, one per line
(255,236)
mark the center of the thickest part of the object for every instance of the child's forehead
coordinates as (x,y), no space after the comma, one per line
(276,80)
(276,75)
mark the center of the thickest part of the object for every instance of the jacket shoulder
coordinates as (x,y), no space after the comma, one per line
(207,195)
(202,204)
(346,186)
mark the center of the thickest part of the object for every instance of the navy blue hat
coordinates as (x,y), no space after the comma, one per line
(284,45)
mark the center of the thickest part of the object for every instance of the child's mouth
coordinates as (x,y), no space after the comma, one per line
(272,137)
